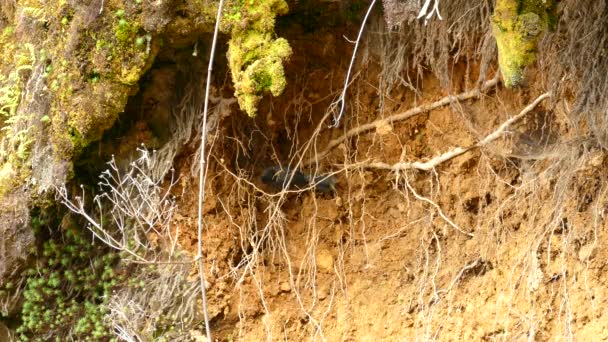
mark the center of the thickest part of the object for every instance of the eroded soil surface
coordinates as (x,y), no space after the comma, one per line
(506,241)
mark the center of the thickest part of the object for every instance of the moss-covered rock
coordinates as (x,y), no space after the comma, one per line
(66,72)
(518,26)
(82,61)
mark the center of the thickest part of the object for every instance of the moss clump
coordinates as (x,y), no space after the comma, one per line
(124,30)
(517,26)
(65,294)
(88,121)
(130,55)
(255,57)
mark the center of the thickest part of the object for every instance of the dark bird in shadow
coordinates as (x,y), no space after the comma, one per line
(284,178)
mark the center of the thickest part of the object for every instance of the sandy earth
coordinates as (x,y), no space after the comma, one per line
(505,242)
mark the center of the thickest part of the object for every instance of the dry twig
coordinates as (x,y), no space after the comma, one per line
(342,98)
(202,178)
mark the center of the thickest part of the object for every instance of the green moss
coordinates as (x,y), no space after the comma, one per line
(126,56)
(255,57)
(124,31)
(517,26)
(8,177)
(116,56)
(87,121)
(8,31)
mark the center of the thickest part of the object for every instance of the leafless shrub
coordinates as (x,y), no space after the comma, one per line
(161,302)
(132,215)
(129,209)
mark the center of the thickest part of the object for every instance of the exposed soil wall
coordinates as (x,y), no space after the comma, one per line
(501,242)
(463,209)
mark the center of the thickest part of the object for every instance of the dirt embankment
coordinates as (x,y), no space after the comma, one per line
(463,210)
(503,241)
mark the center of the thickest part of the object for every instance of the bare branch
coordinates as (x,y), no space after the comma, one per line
(431,164)
(202,175)
(342,98)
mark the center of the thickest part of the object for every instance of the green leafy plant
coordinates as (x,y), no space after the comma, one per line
(65,292)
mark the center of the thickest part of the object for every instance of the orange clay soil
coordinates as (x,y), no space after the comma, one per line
(379,261)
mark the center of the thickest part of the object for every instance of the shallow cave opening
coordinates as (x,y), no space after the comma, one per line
(149,117)
(165,113)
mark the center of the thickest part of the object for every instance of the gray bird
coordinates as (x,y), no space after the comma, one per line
(279,177)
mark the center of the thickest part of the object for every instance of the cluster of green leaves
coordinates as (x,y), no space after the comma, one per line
(14,126)
(124,28)
(65,293)
(15,134)
(10,87)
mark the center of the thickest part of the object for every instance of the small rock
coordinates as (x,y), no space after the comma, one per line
(394,212)
(587,252)
(322,294)
(274,290)
(339,202)
(383,128)
(325,260)
(597,160)
(198,336)
(285,287)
